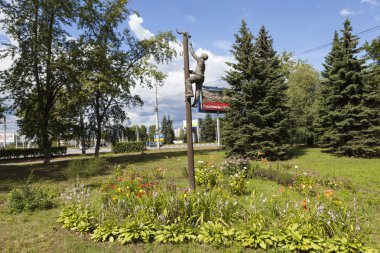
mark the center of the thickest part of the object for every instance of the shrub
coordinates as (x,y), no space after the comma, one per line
(305,183)
(206,174)
(29,197)
(126,147)
(233,165)
(237,183)
(30,152)
(84,168)
(158,172)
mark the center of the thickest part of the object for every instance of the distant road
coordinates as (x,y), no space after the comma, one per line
(77,151)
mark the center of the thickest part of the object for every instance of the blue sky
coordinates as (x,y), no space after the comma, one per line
(295,25)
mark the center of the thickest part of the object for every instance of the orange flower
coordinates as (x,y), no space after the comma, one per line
(119,179)
(329,193)
(304,204)
(282,189)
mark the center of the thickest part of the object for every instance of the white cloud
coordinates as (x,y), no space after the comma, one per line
(371,2)
(223,44)
(135,23)
(171,95)
(171,98)
(347,12)
(191,19)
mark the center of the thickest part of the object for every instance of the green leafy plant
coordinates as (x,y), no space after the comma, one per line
(335,182)
(237,183)
(216,234)
(135,231)
(77,218)
(206,174)
(234,165)
(107,232)
(158,172)
(254,237)
(295,240)
(345,245)
(177,232)
(305,183)
(29,197)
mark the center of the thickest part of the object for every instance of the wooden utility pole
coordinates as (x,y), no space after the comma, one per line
(189,130)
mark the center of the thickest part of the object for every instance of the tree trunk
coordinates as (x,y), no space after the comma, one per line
(82,132)
(98,137)
(46,145)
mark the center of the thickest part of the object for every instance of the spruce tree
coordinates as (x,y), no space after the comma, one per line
(258,121)
(167,130)
(324,123)
(241,71)
(164,127)
(352,119)
(170,132)
(208,132)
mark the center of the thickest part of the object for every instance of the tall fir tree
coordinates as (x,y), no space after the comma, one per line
(167,130)
(350,119)
(257,124)
(323,123)
(208,133)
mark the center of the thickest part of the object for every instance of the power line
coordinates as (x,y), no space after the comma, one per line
(329,44)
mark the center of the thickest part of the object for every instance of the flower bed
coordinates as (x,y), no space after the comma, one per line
(131,208)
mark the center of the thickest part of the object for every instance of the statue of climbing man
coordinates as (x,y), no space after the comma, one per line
(197,77)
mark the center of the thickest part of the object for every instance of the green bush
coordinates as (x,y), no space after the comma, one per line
(84,168)
(233,165)
(237,183)
(126,147)
(30,152)
(206,174)
(29,197)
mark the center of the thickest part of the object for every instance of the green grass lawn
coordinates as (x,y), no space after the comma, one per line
(39,232)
